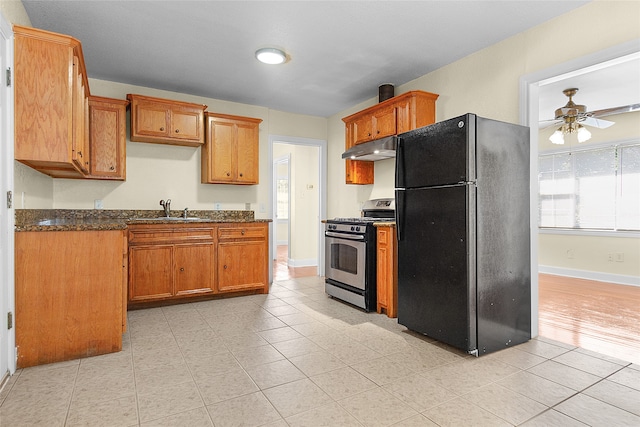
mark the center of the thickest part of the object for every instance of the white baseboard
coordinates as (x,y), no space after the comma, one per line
(590,275)
(282,242)
(312,262)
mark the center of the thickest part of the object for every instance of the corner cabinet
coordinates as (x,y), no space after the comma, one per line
(231,151)
(108,138)
(170,261)
(51,103)
(394,116)
(242,257)
(164,121)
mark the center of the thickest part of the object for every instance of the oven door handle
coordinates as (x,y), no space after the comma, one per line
(344,236)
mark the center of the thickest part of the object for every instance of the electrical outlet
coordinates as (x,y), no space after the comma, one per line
(217,206)
(262,208)
(619,256)
(570,254)
(610,257)
(97,204)
(247,206)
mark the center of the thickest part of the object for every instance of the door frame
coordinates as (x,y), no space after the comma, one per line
(322,190)
(529,85)
(7,215)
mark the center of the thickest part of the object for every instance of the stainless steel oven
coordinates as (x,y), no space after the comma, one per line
(350,258)
(345,258)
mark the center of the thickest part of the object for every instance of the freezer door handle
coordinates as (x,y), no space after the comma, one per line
(400,210)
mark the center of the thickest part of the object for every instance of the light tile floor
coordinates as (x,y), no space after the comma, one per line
(298,358)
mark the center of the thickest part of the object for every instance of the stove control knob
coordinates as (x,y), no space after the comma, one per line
(353,228)
(357,228)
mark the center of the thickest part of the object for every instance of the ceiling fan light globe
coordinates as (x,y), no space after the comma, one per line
(557,137)
(583,134)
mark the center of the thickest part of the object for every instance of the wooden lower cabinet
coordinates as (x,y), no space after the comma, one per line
(174,262)
(69,294)
(242,258)
(387,270)
(170,261)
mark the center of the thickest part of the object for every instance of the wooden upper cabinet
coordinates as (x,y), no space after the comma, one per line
(165,121)
(396,115)
(230,154)
(376,125)
(108,137)
(51,91)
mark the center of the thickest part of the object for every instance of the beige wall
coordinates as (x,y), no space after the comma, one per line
(487,83)
(158,171)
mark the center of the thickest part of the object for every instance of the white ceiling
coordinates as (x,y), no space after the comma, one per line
(340,51)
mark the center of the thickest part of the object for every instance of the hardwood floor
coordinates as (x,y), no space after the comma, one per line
(281,271)
(597,316)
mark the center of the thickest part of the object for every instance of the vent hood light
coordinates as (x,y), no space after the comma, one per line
(380,149)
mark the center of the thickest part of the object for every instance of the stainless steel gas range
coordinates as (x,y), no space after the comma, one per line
(350,263)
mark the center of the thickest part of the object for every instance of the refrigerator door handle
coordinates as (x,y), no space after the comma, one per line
(400,210)
(400,163)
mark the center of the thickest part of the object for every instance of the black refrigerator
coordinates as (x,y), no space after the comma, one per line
(462,217)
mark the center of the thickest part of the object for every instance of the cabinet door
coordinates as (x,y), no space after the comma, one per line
(194,269)
(384,122)
(241,266)
(363,129)
(247,153)
(150,272)
(42,90)
(107,138)
(152,119)
(382,266)
(221,150)
(186,124)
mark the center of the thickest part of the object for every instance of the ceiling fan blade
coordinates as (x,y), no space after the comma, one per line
(615,110)
(598,123)
(548,123)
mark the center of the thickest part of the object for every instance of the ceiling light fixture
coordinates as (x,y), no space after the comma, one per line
(271,56)
(571,126)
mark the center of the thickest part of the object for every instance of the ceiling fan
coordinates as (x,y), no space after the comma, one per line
(573,116)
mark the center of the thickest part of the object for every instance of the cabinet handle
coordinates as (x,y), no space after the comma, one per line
(242,232)
(112,168)
(225,267)
(177,130)
(161,129)
(241,174)
(181,268)
(80,153)
(378,132)
(228,174)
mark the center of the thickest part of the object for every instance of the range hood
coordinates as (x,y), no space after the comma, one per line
(380,149)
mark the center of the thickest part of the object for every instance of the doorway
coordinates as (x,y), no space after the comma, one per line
(529,115)
(7,332)
(298,201)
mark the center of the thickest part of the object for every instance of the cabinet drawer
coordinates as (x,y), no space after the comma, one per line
(251,232)
(158,235)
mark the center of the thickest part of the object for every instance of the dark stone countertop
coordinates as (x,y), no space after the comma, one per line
(101,219)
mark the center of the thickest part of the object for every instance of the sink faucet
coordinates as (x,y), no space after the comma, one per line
(166,206)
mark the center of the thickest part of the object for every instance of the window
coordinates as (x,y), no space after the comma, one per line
(596,188)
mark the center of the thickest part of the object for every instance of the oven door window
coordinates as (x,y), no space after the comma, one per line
(346,261)
(344,258)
